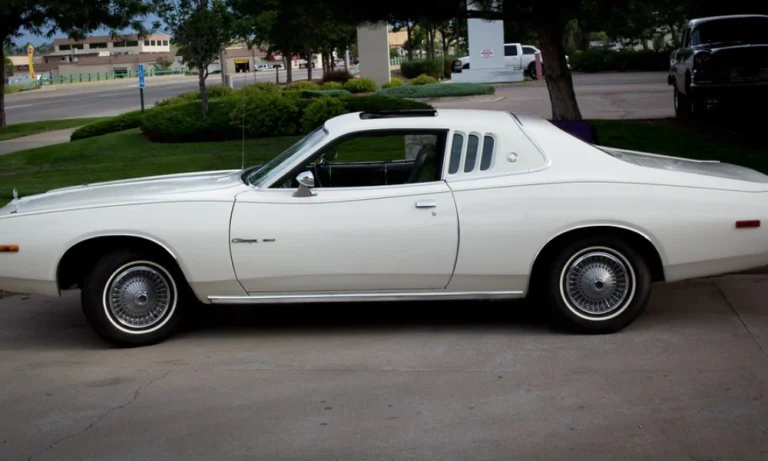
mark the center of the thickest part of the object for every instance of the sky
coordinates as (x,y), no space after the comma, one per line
(38,40)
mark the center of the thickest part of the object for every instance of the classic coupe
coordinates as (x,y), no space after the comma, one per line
(393,206)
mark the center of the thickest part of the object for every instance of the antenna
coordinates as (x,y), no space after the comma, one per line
(242,140)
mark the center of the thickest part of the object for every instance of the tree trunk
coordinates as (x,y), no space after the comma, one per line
(308,56)
(202,75)
(409,30)
(288,68)
(673,33)
(2,93)
(562,97)
(644,43)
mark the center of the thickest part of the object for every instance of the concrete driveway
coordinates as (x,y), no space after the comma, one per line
(485,381)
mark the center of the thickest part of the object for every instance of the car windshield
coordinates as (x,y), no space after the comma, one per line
(742,30)
(307,143)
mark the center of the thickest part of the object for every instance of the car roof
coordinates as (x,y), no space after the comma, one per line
(443,119)
(698,21)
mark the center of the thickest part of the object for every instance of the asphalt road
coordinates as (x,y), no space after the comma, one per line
(446,381)
(609,95)
(101,99)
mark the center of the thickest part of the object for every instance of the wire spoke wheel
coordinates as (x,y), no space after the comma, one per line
(139,297)
(597,283)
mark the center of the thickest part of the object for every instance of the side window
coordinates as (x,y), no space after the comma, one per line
(510,50)
(469,163)
(528,50)
(488,144)
(377,159)
(687,38)
(695,39)
(456,147)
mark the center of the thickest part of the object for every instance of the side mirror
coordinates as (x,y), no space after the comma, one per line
(306,181)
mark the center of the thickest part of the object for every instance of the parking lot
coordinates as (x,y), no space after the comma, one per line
(445,381)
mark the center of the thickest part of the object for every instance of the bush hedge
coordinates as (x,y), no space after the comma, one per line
(337,75)
(437,90)
(320,110)
(260,87)
(360,85)
(303,85)
(122,122)
(184,122)
(213,92)
(331,85)
(377,102)
(623,60)
(432,67)
(423,79)
(394,82)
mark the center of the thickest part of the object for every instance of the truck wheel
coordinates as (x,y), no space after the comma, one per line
(682,104)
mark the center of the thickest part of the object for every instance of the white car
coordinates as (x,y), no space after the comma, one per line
(263,68)
(393,206)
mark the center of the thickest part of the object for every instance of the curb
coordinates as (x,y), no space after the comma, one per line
(483,98)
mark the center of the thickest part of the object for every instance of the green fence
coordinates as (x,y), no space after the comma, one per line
(98,76)
(397,61)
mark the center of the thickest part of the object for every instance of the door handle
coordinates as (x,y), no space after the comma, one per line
(426,204)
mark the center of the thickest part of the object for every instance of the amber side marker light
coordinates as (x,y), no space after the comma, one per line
(747,224)
(9,248)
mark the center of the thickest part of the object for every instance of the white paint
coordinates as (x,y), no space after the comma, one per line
(492,224)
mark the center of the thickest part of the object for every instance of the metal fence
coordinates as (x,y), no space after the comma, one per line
(98,76)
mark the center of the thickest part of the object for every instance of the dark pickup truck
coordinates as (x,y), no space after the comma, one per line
(723,61)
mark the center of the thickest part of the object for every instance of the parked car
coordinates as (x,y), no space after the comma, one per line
(263,68)
(481,205)
(722,60)
(516,55)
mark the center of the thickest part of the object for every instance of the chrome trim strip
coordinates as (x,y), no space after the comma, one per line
(365,297)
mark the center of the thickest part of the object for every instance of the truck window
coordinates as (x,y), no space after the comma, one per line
(528,50)
(510,50)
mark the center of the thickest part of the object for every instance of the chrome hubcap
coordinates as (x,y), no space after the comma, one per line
(139,297)
(597,283)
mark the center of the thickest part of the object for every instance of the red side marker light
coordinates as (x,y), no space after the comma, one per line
(9,248)
(747,224)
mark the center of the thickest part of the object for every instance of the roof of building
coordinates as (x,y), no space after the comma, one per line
(109,38)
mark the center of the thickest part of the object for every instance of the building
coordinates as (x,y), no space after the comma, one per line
(241,58)
(107,45)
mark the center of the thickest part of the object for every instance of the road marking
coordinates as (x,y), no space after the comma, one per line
(16,107)
(109,95)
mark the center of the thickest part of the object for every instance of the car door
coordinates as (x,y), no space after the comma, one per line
(348,239)
(512,56)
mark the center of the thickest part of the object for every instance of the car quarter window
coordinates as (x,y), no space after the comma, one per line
(472,144)
(456,149)
(478,155)
(384,158)
(487,158)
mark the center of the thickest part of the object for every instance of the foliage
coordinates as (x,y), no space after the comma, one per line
(332,85)
(423,79)
(394,82)
(337,75)
(214,92)
(437,90)
(360,85)
(7,65)
(268,87)
(201,29)
(266,114)
(162,63)
(376,102)
(182,122)
(623,60)
(319,111)
(303,85)
(312,94)
(121,122)
(431,67)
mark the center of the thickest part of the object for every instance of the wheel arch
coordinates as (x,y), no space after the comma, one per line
(80,257)
(638,240)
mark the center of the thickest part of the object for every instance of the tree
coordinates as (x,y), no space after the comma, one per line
(76,18)
(202,29)
(163,64)
(7,65)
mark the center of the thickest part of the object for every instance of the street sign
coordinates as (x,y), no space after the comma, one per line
(141,76)
(487,53)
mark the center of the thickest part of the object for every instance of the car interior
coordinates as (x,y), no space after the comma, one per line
(378,160)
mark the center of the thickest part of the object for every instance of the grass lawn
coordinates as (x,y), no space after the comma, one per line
(127,154)
(18,130)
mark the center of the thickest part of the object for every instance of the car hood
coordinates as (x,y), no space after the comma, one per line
(147,189)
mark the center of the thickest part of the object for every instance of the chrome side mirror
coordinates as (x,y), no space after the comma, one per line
(306,181)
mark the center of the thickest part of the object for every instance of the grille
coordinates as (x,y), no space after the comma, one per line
(742,74)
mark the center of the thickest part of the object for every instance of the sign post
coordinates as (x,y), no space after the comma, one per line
(141,85)
(31,57)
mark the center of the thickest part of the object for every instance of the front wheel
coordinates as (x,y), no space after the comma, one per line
(133,298)
(598,285)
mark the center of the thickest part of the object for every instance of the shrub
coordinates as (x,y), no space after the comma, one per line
(423,79)
(360,85)
(431,67)
(376,103)
(311,94)
(320,110)
(303,85)
(214,92)
(260,87)
(337,75)
(623,60)
(266,115)
(437,90)
(185,123)
(395,82)
(332,85)
(122,122)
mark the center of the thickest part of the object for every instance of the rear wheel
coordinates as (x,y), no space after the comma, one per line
(133,298)
(682,104)
(598,285)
